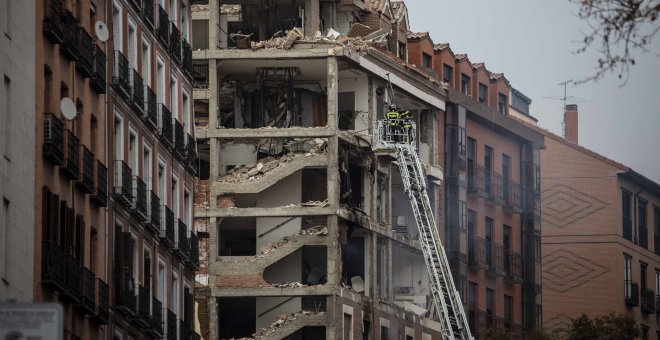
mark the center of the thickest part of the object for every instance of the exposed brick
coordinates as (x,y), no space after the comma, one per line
(240,280)
(226,201)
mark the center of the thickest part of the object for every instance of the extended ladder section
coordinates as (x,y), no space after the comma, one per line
(447,300)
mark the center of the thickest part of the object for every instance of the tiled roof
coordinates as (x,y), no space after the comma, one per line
(478,65)
(375,5)
(440,47)
(461,56)
(417,35)
(399,8)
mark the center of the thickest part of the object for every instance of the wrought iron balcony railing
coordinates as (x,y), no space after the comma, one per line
(125,301)
(120,75)
(140,198)
(179,142)
(156,329)
(85,64)
(495,258)
(71,167)
(185,329)
(512,198)
(182,245)
(89,291)
(144,307)
(148,12)
(74,273)
(53,147)
(98,78)
(137,91)
(154,218)
(102,306)
(123,183)
(53,21)
(200,74)
(191,154)
(477,252)
(171,325)
(631,293)
(513,266)
(175,42)
(150,108)
(476,178)
(87,176)
(100,196)
(69,44)
(648,301)
(496,192)
(165,125)
(167,227)
(53,266)
(163,30)
(137,4)
(186,58)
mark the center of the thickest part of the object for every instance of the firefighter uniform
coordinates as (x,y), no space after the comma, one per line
(406,124)
(393,123)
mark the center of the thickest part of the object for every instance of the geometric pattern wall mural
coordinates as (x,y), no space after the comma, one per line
(563,205)
(564,270)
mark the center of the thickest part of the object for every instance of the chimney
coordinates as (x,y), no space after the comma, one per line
(571,123)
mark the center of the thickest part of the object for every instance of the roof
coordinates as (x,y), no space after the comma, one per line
(399,9)
(418,35)
(230,9)
(440,47)
(497,76)
(478,66)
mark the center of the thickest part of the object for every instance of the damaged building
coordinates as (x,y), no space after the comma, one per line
(305,230)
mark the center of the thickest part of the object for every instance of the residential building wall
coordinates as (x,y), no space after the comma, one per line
(17,82)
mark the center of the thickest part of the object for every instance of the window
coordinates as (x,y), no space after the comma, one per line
(402,51)
(471,163)
(656,229)
(185,105)
(488,165)
(184,22)
(472,295)
(642,277)
(627,275)
(172,12)
(489,241)
(626,214)
(6,113)
(175,200)
(135,266)
(483,93)
(508,306)
(174,100)
(93,123)
(187,208)
(506,176)
(447,74)
(502,103)
(146,269)
(347,326)
(146,165)
(506,240)
(92,17)
(4,240)
(117,26)
(175,293)
(426,60)
(132,45)
(146,61)
(490,306)
(118,138)
(161,182)
(465,84)
(641,223)
(384,333)
(132,151)
(162,284)
(160,81)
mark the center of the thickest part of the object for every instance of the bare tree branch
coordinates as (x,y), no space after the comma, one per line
(619,29)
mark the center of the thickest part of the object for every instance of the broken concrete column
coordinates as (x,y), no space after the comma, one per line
(333,88)
(312,17)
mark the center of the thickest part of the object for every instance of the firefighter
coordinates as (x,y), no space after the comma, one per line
(406,125)
(393,123)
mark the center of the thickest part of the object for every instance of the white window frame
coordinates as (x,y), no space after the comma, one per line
(162,194)
(174,96)
(147,176)
(161,81)
(185,111)
(132,132)
(185,31)
(146,74)
(118,34)
(132,52)
(119,149)
(175,187)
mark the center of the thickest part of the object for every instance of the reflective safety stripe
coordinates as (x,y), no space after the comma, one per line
(392,115)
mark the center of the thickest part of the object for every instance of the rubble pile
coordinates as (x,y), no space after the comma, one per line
(321,204)
(282,320)
(253,171)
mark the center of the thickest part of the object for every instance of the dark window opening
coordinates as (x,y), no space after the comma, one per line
(641,222)
(502,103)
(352,255)
(483,93)
(447,74)
(237,237)
(426,60)
(240,314)
(626,213)
(465,84)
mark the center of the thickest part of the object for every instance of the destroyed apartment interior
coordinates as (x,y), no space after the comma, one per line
(305,227)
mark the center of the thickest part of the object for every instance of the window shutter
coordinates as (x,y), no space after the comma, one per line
(147,271)
(127,253)
(80,238)
(119,258)
(54,217)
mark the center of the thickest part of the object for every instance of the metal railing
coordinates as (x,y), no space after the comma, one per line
(125,301)
(102,305)
(120,74)
(72,156)
(89,291)
(123,183)
(162,31)
(53,265)
(193,258)
(53,147)
(200,74)
(648,301)
(137,91)
(87,182)
(191,153)
(148,12)
(140,198)
(186,58)
(179,142)
(182,246)
(69,45)
(171,325)
(98,78)
(512,197)
(631,293)
(144,307)
(52,24)
(165,125)
(74,273)
(156,318)
(150,108)
(496,190)
(154,216)
(167,227)
(101,191)
(513,266)
(175,42)
(476,175)
(85,64)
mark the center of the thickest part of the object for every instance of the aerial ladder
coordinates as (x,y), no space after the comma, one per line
(398,136)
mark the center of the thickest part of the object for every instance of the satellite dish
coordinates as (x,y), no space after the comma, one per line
(68,108)
(101,30)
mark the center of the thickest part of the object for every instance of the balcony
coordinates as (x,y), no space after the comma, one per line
(648,301)
(71,167)
(631,293)
(167,226)
(53,21)
(53,147)
(74,273)
(186,62)
(495,259)
(98,78)
(137,4)
(89,292)
(193,259)
(182,246)
(185,329)
(53,266)
(162,31)
(477,252)
(124,293)
(137,91)
(156,329)
(179,142)
(86,185)
(200,74)
(154,218)
(165,125)
(150,108)
(513,267)
(85,64)
(477,180)
(69,46)
(140,198)
(171,325)
(175,42)
(512,199)
(657,304)
(496,192)
(102,306)
(100,196)
(480,321)
(123,183)
(148,12)
(143,319)
(120,75)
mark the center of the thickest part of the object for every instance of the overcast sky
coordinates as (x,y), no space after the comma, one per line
(531,42)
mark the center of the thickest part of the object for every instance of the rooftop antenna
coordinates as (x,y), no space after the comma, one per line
(563,120)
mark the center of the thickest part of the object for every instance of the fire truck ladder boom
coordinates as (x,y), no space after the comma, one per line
(446,297)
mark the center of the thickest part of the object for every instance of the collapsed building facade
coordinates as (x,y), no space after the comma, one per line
(305,231)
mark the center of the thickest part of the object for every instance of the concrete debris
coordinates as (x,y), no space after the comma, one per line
(230,9)
(288,285)
(323,203)
(199,8)
(282,320)
(278,41)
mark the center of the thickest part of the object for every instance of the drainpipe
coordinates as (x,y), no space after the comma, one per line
(105,153)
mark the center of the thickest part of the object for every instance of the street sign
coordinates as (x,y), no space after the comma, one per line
(33,321)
